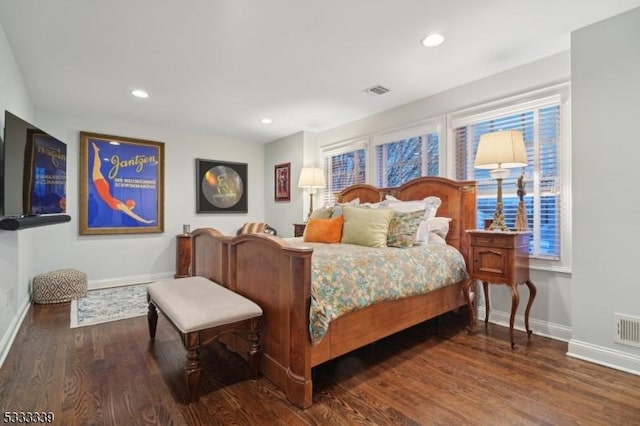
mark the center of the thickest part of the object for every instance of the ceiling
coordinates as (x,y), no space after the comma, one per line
(218,67)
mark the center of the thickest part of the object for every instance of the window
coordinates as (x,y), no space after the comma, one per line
(406,159)
(541,122)
(344,167)
(407,154)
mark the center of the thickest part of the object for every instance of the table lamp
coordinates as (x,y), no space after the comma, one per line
(311,178)
(500,151)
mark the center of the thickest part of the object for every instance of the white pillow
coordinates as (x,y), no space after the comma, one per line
(429,204)
(337,208)
(406,206)
(434,230)
(439,226)
(372,205)
(435,239)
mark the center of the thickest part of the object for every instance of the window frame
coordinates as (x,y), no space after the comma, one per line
(418,129)
(339,148)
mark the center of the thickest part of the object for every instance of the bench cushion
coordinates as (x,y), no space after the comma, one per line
(196,303)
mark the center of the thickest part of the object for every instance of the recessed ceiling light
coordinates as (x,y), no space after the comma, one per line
(433,40)
(139,93)
(266,121)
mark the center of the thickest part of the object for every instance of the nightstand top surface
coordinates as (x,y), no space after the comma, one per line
(487,231)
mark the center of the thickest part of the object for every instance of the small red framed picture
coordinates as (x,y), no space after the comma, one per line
(282,182)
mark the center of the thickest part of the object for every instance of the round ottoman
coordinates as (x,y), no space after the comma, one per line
(59,286)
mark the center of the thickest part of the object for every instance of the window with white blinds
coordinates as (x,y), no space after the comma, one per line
(406,153)
(541,124)
(343,168)
(401,160)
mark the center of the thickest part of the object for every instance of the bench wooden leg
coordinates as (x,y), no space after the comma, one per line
(193,370)
(254,354)
(152,319)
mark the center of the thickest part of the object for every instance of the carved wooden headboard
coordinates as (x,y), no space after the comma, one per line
(458,202)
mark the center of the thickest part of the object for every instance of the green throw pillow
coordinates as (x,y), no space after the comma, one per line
(321,213)
(365,227)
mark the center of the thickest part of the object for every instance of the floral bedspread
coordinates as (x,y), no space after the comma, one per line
(346,277)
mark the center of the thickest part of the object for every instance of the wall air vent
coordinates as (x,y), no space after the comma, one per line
(376,90)
(627,330)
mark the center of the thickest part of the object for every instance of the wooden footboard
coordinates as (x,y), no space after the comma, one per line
(277,276)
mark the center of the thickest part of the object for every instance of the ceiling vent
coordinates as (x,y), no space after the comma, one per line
(376,90)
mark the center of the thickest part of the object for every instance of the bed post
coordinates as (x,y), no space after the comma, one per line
(277,276)
(468,201)
(299,387)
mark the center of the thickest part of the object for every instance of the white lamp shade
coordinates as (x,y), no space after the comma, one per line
(501,150)
(311,177)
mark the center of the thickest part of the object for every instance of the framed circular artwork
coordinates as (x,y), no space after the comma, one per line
(221,187)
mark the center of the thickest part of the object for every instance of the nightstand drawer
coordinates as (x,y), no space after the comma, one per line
(487,239)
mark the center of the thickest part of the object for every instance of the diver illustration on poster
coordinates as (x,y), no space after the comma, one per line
(122,182)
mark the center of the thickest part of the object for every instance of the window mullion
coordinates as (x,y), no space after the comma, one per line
(537,203)
(424,155)
(470,151)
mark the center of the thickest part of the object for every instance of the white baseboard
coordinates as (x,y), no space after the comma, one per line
(604,356)
(600,355)
(12,331)
(540,328)
(131,280)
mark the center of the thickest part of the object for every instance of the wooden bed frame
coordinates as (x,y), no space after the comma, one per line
(277,276)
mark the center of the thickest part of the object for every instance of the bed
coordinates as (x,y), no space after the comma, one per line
(277,274)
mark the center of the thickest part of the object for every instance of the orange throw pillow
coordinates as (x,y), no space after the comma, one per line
(324,230)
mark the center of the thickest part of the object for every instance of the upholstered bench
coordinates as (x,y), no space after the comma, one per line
(201,310)
(62,285)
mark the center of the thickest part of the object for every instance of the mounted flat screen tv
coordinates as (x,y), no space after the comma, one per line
(34,171)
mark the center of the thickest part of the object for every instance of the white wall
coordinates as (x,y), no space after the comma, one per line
(118,259)
(605,63)
(282,214)
(15,263)
(553,69)
(301,150)
(14,95)
(551,311)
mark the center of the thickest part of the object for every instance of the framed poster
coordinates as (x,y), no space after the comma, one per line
(282,182)
(45,174)
(221,187)
(121,185)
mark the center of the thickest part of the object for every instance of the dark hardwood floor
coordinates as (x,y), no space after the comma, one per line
(110,374)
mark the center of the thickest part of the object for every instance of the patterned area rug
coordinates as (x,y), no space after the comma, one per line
(109,304)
